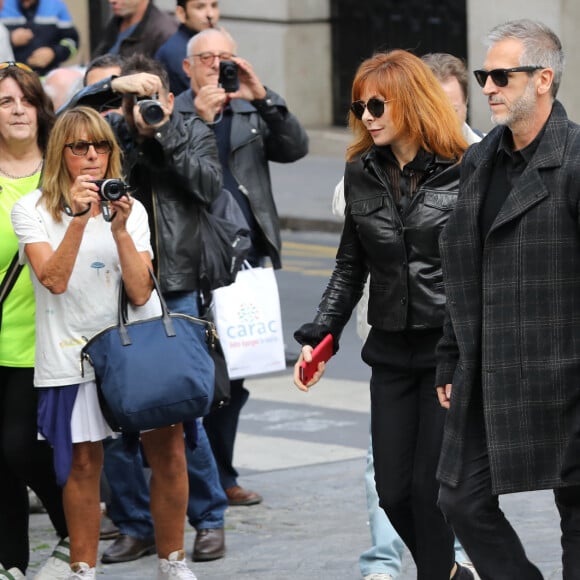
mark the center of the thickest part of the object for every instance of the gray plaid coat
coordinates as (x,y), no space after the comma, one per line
(513,312)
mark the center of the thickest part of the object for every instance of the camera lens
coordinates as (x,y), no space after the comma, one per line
(151,111)
(230,72)
(111,189)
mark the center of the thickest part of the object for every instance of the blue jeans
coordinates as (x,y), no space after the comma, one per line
(386,552)
(129,504)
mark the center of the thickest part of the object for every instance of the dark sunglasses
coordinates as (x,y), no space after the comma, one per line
(375,106)
(500,76)
(81,148)
(20,65)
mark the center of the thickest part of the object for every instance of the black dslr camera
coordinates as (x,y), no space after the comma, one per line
(150,109)
(228,78)
(110,190)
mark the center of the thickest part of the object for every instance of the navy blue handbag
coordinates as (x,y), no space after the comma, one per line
(154,372)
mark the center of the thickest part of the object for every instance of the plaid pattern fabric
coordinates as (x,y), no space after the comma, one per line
(513,320)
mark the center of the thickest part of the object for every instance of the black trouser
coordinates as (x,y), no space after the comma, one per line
(484,532)
(24,461)
(407,427)
(221,426)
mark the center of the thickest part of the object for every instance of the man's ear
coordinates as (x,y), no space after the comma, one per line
(546,78)
(180,14)
(170,101)
(186,64)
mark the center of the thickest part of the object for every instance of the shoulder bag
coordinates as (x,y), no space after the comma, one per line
(225,243)
(155,372)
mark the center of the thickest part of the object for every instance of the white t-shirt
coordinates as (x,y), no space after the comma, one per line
(64,322)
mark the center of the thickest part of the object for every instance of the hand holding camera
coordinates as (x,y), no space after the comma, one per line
(86,191)
(145,106)
(249,86)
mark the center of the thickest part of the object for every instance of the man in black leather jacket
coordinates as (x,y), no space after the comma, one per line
(253,126)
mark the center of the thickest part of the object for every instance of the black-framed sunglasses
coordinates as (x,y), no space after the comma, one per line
(20,65)
(375,106)
(81,148)
(500,76)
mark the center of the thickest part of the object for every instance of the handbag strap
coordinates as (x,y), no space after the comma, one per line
(10,278)
(123,307)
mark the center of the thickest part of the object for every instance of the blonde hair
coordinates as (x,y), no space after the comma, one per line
(69,126)
(418,106)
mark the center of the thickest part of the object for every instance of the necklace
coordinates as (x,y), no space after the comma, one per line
(36,170)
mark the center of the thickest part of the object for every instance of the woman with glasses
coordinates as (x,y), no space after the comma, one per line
(26,117)
(400,184)
(78,259)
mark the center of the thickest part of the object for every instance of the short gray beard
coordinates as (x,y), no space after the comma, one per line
(521,110)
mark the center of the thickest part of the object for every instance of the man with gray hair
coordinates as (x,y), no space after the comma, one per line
(509,359)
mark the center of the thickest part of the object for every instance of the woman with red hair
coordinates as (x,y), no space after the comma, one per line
(401,183)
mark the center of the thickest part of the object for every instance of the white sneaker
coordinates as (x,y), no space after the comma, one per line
(174,568)
(57,567)
(12,574)
(81,571)
(378,576)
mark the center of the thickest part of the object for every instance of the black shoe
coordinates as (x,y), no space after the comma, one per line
(209,545)
(127,548)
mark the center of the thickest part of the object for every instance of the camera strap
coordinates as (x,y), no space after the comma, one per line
(9,280)
(68,210)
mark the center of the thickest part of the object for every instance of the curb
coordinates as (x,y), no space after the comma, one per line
(310,225)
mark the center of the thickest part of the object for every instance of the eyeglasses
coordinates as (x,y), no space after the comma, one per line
(207,58)
(500,76)
(375,106)
(81,148)
(20,65)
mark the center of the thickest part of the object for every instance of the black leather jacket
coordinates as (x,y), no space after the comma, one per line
(181,171)
(262,131)
(399,250)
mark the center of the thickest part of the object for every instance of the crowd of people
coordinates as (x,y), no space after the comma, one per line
(462,247)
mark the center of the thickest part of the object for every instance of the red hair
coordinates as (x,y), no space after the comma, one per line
(419,108)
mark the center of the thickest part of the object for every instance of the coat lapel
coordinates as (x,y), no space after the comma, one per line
(530,188)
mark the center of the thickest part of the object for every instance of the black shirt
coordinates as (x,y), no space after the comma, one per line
(508,166)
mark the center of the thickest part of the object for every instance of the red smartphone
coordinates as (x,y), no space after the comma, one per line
(321,353)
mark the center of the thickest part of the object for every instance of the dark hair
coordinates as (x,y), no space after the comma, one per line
(30,85)
(103,61)
(182,3)
(137,63)
(446,66)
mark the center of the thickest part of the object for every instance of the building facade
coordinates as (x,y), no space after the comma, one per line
(308,50)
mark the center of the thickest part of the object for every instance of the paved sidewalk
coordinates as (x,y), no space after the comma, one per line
(312,524)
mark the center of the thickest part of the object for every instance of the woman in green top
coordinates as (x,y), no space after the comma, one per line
(26,117)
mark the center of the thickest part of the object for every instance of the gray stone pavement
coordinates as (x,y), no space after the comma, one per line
(312,524)
(305,453)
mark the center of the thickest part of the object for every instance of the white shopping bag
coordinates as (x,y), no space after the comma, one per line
(249,323)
